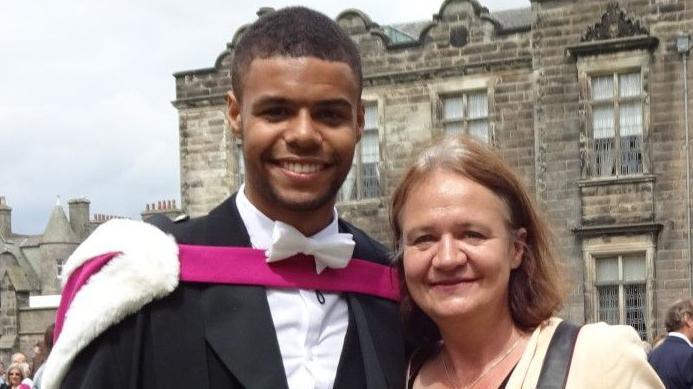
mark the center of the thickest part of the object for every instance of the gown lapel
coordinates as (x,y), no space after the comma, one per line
(237,321)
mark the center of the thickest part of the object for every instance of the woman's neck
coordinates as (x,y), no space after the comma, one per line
(472,343)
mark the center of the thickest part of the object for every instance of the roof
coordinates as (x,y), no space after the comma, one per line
(58,229)
(509,20)
(512,19)
(18,278)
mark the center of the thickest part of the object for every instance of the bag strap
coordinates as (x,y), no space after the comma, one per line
(556,366)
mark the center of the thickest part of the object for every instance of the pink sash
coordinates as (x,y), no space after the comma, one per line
(247,266)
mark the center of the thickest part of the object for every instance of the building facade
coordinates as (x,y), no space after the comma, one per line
(31,265)
(585,99)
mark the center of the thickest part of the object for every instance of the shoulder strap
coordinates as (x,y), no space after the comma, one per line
(556,366)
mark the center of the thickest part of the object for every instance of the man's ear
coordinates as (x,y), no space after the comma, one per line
(519,247)
(233,114)
(360,119)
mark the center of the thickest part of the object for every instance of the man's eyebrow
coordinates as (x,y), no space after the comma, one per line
(338,103)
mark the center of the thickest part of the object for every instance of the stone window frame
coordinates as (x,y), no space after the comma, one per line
(461,87)
(356,170)
(60,263)
(600,65)
(604,246)
(239,163)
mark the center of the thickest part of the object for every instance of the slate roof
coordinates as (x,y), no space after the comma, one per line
(58,229)
(509,20)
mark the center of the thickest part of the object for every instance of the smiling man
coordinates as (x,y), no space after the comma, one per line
(233,311)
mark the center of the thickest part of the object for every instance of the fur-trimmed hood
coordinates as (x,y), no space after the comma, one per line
(146,269)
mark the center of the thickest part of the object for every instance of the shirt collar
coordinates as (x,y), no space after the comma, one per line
(260,227)
(682,336)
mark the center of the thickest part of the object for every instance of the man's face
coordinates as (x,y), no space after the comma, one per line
(18,358)
(299,120)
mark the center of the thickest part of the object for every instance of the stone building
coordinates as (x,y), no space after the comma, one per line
(30,267)
(585,99)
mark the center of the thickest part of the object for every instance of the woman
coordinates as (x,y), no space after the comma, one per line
(15,375)
(481,284)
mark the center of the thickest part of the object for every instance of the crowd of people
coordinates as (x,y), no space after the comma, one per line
(224,301)
(23,373)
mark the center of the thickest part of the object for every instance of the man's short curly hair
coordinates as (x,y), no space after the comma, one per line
(293,32)
(677,314)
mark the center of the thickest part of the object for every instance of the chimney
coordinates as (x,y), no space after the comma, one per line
(79,217)
(5,219)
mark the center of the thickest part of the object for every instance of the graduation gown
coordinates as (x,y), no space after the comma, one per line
(222,336)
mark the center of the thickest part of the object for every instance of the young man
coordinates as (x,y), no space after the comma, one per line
(673,359)
(296,106)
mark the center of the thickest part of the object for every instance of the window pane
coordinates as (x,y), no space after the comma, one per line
(370,156)
(630,119)
(634,296)
(607,269)
(604,161)
(371,185)
(629,84)
(479,130)
(452,108)
(608,304)
(348,190)
(453,128)
(371,116)
(631,155)
(603,121)
(634,267)
(477,105)
(602,87)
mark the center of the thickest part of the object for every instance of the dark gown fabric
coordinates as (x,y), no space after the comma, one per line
(222,336)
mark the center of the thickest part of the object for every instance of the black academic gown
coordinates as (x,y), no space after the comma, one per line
(222,336)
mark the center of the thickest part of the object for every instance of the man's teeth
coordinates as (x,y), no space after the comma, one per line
(301,167)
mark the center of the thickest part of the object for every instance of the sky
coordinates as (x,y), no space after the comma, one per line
(86,89)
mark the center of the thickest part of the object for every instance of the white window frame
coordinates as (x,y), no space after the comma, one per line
(597,248)
(356,171)
(463,87)
(637,61)
(465,121)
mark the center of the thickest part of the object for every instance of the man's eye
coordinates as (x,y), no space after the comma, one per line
(331,116)
(275,113)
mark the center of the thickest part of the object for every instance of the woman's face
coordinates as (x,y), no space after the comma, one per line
(458,248)
(14,377)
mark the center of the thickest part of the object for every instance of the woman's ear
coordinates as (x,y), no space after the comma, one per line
(519,245)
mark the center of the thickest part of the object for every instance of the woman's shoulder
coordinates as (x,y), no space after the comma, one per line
(603,335)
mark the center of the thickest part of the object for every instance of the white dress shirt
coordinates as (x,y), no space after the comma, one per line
(310,332)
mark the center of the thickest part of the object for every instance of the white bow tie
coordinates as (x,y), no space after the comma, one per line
(333,251)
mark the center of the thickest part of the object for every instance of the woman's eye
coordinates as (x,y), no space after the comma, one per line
(474,235)
(423,240)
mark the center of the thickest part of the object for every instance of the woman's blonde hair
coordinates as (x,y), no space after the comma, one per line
(535,291)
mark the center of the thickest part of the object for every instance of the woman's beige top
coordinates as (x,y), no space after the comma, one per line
(605,356)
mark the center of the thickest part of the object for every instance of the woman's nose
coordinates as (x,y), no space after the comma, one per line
(449,254)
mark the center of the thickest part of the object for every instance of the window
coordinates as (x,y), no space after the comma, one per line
(621,286)
(466,113)
(617,124)
(60,262)
(363,181)
(240,165)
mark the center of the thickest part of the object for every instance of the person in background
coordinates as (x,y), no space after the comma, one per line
(673,359)
(481,285)
(16,374)
(47,346)
(2,372)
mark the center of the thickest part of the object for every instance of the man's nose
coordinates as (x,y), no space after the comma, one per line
(303,131)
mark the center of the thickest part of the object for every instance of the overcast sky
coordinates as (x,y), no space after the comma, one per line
(86,86)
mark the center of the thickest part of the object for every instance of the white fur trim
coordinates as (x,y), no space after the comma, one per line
(147,269)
